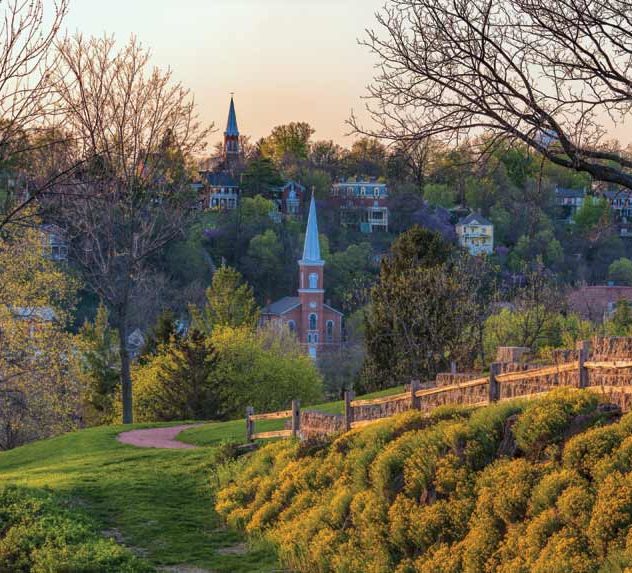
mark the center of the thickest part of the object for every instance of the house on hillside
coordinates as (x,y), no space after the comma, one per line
(598,302)
(362,204)
(569,201)
(54,244)
(317,325)
(476,234)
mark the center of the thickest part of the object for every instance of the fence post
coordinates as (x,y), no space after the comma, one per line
(250,425)
(414,400)
(296,417)
(583,346)
(494,388)
(349,395)
(452,367)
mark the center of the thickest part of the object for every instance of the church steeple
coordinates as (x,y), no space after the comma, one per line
(311,248)
(231,135)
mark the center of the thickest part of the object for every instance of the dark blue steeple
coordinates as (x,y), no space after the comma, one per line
(231,124)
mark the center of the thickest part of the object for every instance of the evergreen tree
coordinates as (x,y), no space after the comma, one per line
(425,311)
(161,334)
(230,302)
(100,367)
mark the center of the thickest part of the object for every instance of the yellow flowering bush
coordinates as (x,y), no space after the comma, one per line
(418,494)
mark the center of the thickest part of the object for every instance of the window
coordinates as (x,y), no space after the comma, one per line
(363,191)
(330,331)
(313,280)
(291,325)
(309,337)
(376,191)
(313,322)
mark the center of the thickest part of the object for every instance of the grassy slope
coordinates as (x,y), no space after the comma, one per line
(217,432)
(159,500)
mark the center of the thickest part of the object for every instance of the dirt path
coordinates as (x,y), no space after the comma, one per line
(156,438)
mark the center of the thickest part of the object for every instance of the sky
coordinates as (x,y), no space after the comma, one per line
(285,60)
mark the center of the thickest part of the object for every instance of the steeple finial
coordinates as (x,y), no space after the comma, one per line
(231,124)
(311,249)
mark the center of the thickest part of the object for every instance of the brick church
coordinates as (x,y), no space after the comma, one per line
(317,325)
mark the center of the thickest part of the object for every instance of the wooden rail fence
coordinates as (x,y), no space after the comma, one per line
(498,385)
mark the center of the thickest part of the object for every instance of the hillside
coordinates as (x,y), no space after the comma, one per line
(539,486)
(157,502)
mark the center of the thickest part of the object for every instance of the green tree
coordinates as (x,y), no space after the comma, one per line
(229,302)
(620,323)
(39,384)
(263,263)
(260,176)
(178,383)
(367,158)
(593,213)
(439,194)
(349,270)
(424,311)
(161,334)
(288,142)
(100,366)
(481,193)
(265,369)
(621,271)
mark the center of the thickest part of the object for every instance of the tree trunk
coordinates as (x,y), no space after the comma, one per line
(126,376)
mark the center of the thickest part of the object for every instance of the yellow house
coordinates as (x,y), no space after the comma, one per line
(476,234)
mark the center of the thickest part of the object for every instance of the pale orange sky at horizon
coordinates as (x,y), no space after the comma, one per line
(285,60)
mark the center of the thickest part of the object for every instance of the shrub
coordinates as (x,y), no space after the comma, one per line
(544,422)
(429,494)
(43,533)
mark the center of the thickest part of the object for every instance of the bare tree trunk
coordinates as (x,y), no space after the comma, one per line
(126,376)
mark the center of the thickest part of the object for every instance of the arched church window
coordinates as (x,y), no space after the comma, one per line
(313,321)
(330,331)
(313,280)
(291,325)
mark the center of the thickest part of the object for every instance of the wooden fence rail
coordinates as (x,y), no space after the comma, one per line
(428,398)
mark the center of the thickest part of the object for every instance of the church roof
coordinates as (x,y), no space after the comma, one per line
(220,179)
(311,248)
(282,305)
(231,124)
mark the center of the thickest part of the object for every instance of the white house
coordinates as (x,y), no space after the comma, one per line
(476,234)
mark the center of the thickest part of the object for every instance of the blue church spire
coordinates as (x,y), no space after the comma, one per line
(311,249)
(231,124)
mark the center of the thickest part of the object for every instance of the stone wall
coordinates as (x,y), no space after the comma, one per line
(611,348)
(449,379)
(316,424)
(384,410)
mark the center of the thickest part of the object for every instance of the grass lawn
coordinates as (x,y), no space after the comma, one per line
(159,501)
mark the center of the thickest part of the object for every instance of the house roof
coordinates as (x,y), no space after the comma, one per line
(231,124)
(220,179)
(311,248)
(569,193)
(282,305)
(592,301)
(475,218)
(619,194)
